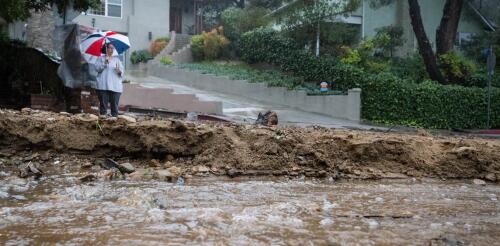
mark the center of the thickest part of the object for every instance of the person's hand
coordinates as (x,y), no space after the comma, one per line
(117,70)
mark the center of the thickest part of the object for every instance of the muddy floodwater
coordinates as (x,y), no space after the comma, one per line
(57,209)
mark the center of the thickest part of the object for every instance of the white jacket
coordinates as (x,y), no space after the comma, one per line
(107,78)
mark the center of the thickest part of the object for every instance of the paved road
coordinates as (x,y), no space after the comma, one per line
(246,110)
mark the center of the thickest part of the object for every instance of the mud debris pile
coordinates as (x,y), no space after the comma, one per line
(172,148)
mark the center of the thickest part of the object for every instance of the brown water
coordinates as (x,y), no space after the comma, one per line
(217,211)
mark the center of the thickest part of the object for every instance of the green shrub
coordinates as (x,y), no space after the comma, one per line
(158,45)
(165,60)
(140,56)
(209,45)
(456,68)
(237,21)
(197,47)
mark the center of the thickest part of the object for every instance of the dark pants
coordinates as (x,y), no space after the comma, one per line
(110,97)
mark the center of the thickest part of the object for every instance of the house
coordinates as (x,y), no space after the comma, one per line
(369,19)
(142,21)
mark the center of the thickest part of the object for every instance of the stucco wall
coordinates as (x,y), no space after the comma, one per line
(397,14)
(337,106)
(139,17)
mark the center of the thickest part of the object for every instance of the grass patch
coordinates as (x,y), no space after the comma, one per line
(271,77)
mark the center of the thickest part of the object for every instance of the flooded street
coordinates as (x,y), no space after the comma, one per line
(220,211)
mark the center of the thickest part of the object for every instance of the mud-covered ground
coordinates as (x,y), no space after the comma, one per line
(170,148)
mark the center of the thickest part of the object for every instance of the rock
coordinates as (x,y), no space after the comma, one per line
(154,163)
(25,111)
(322,173)
(126,168)
(105,175)
(116,174)
(46,156)
(88,178)
(478,182)
(233,172)
(179,126)
(111,119)
(141,175)
(64,114)
(30,169)
(175,171)
(87,164)
(109,163)
(127,118)
(51,119)
(200,169)
(163,175)
(491,177)
(168,164)
(170,158)
(86,117)
(269,118)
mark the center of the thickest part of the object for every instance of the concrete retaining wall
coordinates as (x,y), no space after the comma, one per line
(338,106)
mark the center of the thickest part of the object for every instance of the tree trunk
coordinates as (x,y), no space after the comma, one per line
(424,46)
(447,30)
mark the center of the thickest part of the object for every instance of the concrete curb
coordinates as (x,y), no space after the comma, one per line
(338,106)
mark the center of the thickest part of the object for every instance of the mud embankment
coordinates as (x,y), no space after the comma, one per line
(251,150)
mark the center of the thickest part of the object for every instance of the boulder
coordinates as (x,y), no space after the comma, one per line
(126,168)
(109,163)
(479,182)
(175,171)
(163,175)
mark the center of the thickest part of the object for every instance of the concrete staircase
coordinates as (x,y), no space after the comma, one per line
(178,49)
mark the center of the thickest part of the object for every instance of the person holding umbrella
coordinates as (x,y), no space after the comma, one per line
(109,67)
(109,81)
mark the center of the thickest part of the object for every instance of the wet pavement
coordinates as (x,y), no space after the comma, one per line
(219,211)
(246,110)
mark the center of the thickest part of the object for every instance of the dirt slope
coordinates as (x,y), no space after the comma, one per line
(253,149)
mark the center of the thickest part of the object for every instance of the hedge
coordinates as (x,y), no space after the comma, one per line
(385,97)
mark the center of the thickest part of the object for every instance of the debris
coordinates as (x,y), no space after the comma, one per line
(200,170)
(175,171)
(163,175)
(154,163)
(87,164)
(490,177)
(88,178)
(109,163)
(269,118)
(31,169)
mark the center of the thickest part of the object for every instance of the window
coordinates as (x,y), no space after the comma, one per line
(463,38)
(110,8)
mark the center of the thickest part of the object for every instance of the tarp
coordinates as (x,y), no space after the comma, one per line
(74,71)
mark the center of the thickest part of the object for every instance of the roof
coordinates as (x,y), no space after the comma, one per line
(483,19)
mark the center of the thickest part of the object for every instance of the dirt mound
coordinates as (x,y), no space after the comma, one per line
(256,150)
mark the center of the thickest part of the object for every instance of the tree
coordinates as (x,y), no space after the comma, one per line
(447,30)
(445,33)
(311,13)
(388,38)
(13,10)
(424,46)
